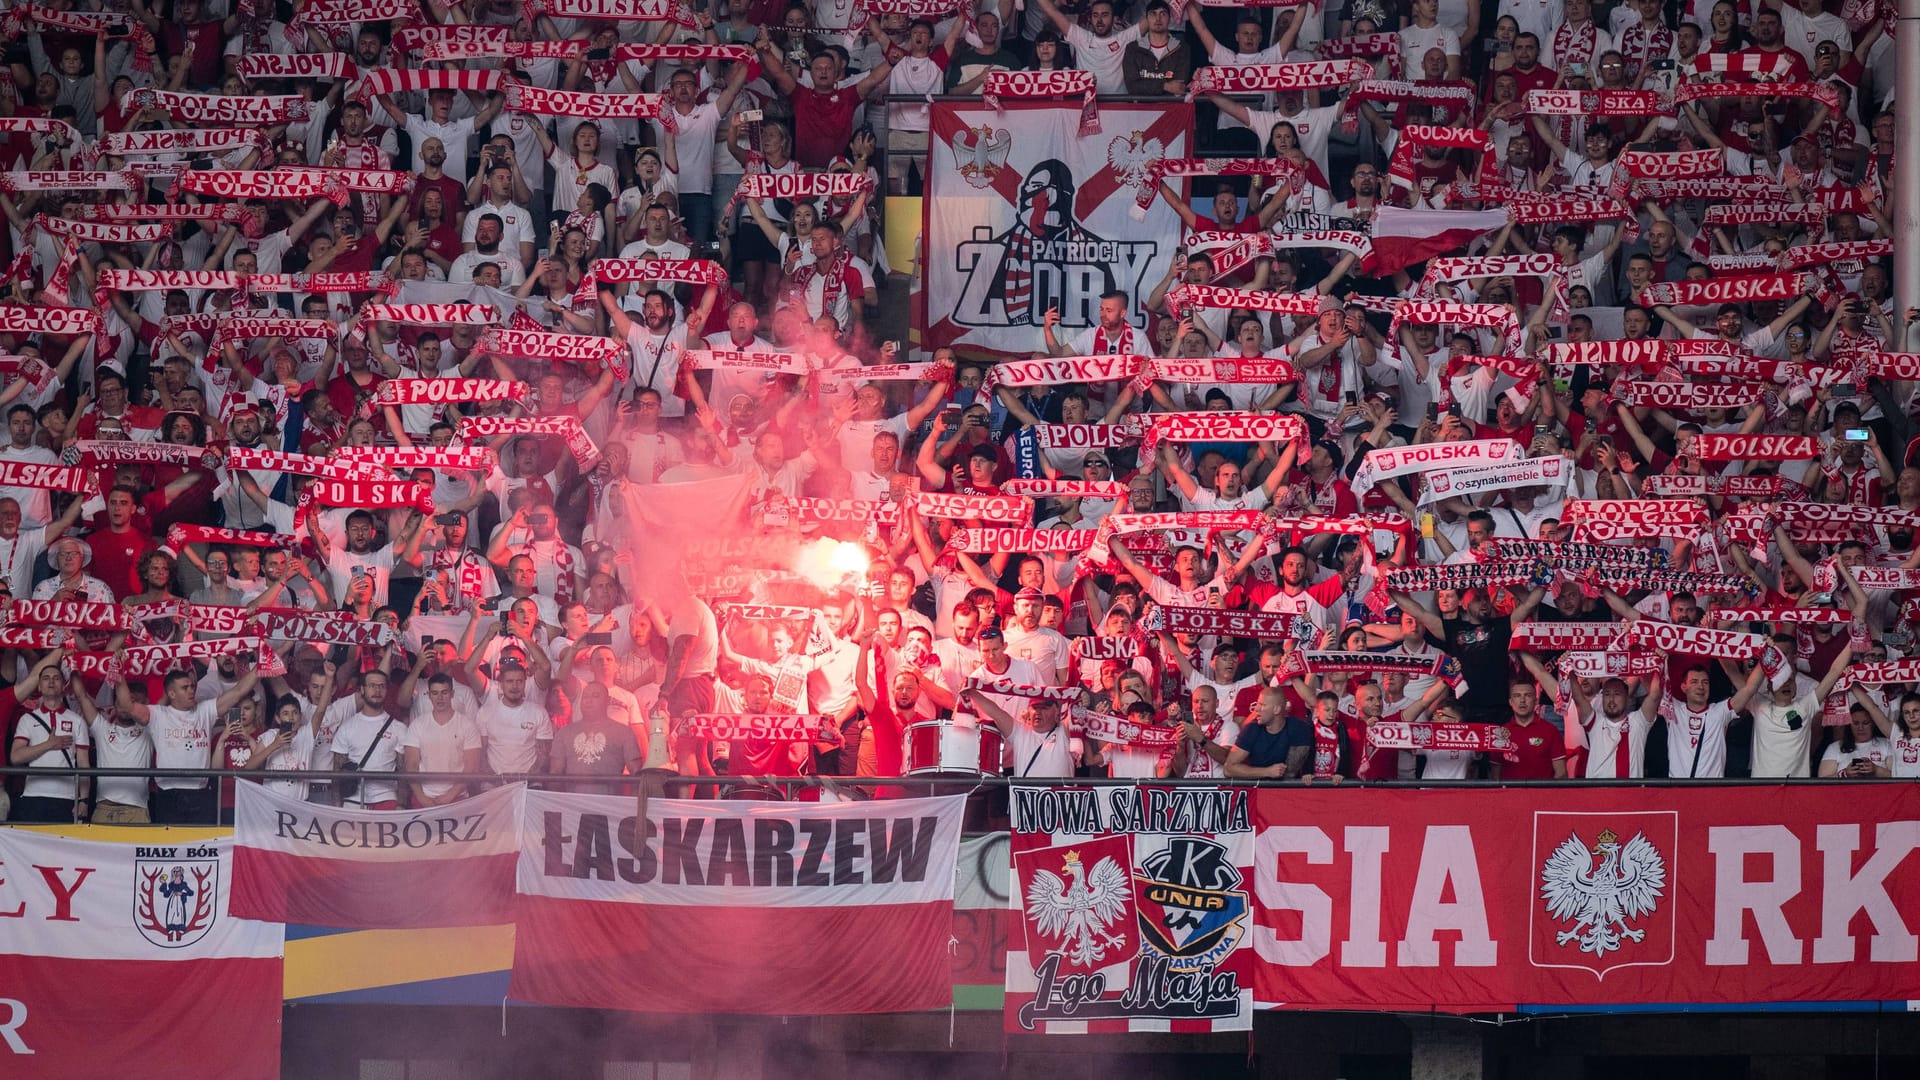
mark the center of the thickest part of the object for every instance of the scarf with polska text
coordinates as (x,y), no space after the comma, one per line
(1447,313)
(1390,462)
(1124,648)
(1534,208)
(1634,165)
(451,459)
(447,391)
(799,186)
(28,474)
(1415,137)
(1778,614)
(381,82)
(1121,523)
(620,271)
(1085,436)
(1218,370)
(70,180)
(251,219)
(503,47)
(770,363)
(524,98)
(884,515)
(585,453)
(1523,368)
(616,10)
(89,232)
(195,108)
(1014,541)
(1591,664)
(1120,731)
(58,321)
(755,727)
(559,348)
(180,536)
(112,280)
(349,12)
(66,614)
(1595,103)
(1749,288)
(324,627)
(998,509)
(1801,256)
(280,461)
(1065,489)
(1061,370)
(1808,91)
(1688,396)
(428,315)
(241,329)
(1752,189)
(273,65)
(938,372)
(998,684)
(192,142)
(1183,299)
(1665,637)
(1811,217)
(1704,447)
(151,661)
(295,184)
(1244,427)
(1694,485)
(361,494)
(1046,84)
(1634,513)
(1228,622)
(1159,170)
(1271,78)
(1229,250)
(1465,738)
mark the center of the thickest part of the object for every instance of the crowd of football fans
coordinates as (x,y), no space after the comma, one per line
(630,586)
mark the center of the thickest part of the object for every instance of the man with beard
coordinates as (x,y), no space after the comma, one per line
(1098,46)
(454,136)
(433,155)
(359,558)
(35,503)
(367,738)
(826,287)
(517,730)
(1617,737)
(515,220)
(487,250)
(657,343)
(1479,638)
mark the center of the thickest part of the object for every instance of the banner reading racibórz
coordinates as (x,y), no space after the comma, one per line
(1022,215)
(1134,909)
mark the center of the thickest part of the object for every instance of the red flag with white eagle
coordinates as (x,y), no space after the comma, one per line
(734,907)
(124,960)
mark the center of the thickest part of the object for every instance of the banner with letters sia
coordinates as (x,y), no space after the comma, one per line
(124,960)
(449,865)
(1480,901)
(1022,214)
(736,907)
(1133,908)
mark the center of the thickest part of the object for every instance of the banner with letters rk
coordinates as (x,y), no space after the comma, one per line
(1477,901)
(1023,215)
(1133,908)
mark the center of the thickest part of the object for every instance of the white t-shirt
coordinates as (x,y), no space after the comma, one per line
(455,135)
(1045,648)
(443,746)
(1103,55)
(694,143)
(353,742)
(293,760)
(1034,754)
(511,731)
(1780,747)
(39,725)
(341,565)
(182,739)
(1702,733)
(121,746)
(1875,750)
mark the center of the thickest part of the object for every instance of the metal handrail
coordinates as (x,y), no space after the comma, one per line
(671,779)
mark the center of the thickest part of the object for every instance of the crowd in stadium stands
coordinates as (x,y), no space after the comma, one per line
(1355,624)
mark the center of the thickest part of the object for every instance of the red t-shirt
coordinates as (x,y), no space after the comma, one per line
(116,559)
(823,122)
(1536,744)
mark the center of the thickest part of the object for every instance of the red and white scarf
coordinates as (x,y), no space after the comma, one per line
(374,494)
(799,186)
(1271,78)
(70,180)
(1182,299)
(149,661)
(23,474)
(1705,447)
(1415,137)
(523,98)
(1061,370)
(326,627)
(446,391)
(1688,396)
(89,232)
(1226,370)
(1595,103)
(1664,637)
(1445,313)
(1279,168)
(1381,46)
(560,348)
(1120,731)
(218,108)
(429,314)
(1046,84)
(618,271)
(70,614)
(350,12)
(1457,99)
(1731,290)
(1465,738)
(59,321)
(1085,436)
(832,272)
(275,65)
(1066,489)
(585,453)
(1575,44)
(249,218)
(615,10)
(997,509)
(1692,485)
(451,459)
(1218,427)
(1390,462)
(1810,91)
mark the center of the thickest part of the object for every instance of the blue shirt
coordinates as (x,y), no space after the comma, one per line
(1264,748)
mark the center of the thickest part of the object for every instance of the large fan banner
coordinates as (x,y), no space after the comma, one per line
(736,907)
(1482,901)
(447,865)
(1134,906)
(1023,215)
(123,960)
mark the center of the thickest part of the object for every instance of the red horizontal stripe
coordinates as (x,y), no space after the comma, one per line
(774,961)
(276,887)
(215,1019)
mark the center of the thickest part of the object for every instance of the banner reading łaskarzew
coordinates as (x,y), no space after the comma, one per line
(736,907)
(122,960)
(1022,215)
(1134,907)
(1484,900)
(301,862)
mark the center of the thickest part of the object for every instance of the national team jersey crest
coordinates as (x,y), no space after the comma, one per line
(1604,895)
(176,900)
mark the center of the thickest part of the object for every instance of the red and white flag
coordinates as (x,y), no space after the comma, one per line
(1404,237)
(119,958)
(729,907)
(301,862)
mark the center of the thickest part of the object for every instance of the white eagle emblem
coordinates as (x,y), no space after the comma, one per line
(1131,158)
(980,153)
(1079,913)
(1627,884)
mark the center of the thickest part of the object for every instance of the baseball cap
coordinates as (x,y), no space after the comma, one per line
(1029,593)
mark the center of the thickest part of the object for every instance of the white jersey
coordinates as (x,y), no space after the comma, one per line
(1697,741)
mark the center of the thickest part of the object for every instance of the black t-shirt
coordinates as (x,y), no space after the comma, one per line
(1482,651)
(1266,748)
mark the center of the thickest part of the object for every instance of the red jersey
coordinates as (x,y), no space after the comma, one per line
(1537,745)
(823,122)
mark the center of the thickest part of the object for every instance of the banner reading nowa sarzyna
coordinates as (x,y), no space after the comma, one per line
(736,907)
(1480,901)
(1134,908)
(1022,214)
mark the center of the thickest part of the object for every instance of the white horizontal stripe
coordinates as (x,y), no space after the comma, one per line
(487,824)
